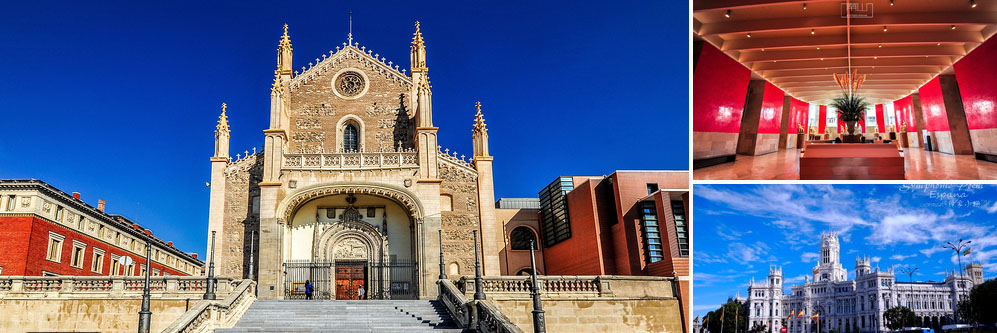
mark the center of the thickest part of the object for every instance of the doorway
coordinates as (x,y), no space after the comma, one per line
(350,276)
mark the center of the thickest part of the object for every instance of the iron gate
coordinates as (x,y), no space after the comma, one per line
(395,280)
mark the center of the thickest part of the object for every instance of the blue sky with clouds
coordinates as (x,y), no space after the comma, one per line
(741,230)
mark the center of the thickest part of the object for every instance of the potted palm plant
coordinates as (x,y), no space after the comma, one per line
(851,109)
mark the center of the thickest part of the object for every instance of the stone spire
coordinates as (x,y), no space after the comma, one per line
(222,134)
(284,54)
(480,133)
(418,51)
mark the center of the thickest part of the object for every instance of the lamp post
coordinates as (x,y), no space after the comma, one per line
(539,322)
(958,248)
(479,294)
(252,238)
(145,316)
(443,272)
(910,277)
(209,292)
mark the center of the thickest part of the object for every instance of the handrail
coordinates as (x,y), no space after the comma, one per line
(475,314)
(208,315)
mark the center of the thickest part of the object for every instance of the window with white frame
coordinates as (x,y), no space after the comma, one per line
(10,202)
(79,251)
(58,213)
(155,272)
(115,265)
(54,246)
(97,265)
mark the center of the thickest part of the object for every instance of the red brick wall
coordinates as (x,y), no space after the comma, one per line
(14,239)
(32,234)
(578,255)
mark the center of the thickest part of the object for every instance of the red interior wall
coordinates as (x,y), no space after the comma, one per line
(822,119)
(880,119)
(771,116)
(933,106)
(904,108)
(975,74)
(798,116)
(861,123)
(720,85)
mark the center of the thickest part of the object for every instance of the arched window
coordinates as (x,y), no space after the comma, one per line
(350,138)
(520,237)
(525,271)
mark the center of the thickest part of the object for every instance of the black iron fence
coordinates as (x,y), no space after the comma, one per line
(394,280)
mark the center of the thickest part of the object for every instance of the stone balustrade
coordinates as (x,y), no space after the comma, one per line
(208,315)
(480,316)
(107,287)
(352,161)
(573,286)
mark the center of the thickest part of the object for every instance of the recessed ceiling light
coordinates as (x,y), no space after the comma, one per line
(884,28)
(727,14)
(805,6)
(763,50)
(880,45)
(875,57)
(972,4)
(749,35)
(953,27)
(812,31)
(891,2)
(939,44)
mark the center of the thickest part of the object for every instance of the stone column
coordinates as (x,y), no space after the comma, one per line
(915,139)
(785,137)
(962,142)
(748,138)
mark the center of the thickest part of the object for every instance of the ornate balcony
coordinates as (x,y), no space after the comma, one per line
(352,161)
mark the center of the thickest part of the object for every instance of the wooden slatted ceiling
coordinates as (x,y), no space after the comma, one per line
(799,49)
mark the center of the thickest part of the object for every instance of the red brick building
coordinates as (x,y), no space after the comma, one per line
(48,232)
(627,223)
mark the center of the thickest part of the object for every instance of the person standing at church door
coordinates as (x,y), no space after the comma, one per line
(308,289)
(360,293)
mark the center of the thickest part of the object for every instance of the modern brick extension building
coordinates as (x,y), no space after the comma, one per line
(628,223)
(44,231)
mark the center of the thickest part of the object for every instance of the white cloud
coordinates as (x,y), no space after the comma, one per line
(705,307)
(931,250)
(900,257)
(795,279)
(875,259)
(809,257)
(992,209)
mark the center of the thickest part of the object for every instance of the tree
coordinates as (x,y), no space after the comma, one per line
(981,304)
(899,317)
(733,313)
(759,328)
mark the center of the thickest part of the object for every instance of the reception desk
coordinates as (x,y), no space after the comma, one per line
(856,161)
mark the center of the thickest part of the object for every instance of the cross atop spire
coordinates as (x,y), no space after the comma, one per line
(284,53)
(285,40)
(222,126)
(349,36)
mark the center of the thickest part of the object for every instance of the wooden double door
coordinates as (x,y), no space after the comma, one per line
(350,276)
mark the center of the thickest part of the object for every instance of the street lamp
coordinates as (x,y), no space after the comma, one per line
(145,316)
(252,239)
(910,277)
(443,272)
(479,293)
(958,248)
(539,322)
(209,292)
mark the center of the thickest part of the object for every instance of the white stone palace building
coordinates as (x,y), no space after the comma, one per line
(852,305)
(351,188)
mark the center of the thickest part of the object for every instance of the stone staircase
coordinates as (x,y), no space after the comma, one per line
(345,316)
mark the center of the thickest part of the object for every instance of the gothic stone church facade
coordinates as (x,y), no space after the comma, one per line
(351,188)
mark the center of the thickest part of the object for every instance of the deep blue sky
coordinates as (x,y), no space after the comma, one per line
(743,229)
(119,100)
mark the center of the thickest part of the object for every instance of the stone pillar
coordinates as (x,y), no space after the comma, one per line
(785,137)
(914,138)
(749,141)
(962,143)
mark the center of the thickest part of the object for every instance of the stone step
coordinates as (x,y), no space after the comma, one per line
(345,316)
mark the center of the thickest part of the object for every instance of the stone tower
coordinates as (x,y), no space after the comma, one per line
(975,273)
(862,266)
(829,268)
